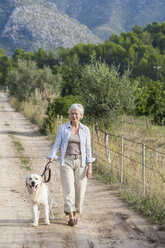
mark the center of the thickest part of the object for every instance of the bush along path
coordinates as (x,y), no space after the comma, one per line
(106,221)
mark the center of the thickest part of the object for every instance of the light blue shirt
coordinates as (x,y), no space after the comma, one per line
(62,139)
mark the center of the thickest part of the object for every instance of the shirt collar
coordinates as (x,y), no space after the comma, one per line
(68,125)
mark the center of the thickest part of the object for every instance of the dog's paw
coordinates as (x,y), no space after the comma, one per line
(35,224)
(47,222)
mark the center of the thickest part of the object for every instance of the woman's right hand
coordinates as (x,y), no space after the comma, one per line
(89,170)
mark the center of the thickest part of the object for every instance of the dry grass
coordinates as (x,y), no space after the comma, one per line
(35,108)
(132,158)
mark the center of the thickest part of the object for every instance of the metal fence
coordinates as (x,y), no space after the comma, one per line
(131,163)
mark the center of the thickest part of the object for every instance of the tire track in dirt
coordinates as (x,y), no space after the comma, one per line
(106,221)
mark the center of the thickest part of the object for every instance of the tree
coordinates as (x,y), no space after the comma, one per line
(70,78)
(22,80)
(151,100)
(153,28)
(114,54)
(105,93)
(26,77)
(20,54)
(137,29)
(59,106)
(5,67)
(46,77)
(42,58)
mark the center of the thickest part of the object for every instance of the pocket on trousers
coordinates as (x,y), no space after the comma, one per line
(68,162)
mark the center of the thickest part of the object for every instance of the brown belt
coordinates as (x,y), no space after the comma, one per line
(75,156)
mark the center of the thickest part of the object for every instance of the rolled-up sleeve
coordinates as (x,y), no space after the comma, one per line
(56,145)
(89,158)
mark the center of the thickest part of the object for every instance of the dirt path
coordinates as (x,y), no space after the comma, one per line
(106,221)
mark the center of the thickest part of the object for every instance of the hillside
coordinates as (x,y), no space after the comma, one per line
(113,16)
(33,24)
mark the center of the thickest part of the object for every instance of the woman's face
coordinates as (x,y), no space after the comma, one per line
(75,116)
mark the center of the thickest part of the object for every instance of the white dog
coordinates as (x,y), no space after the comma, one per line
(39,195)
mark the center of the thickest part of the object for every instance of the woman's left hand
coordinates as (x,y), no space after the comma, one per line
(89,170)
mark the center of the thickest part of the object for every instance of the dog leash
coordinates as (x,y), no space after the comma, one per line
(44,175)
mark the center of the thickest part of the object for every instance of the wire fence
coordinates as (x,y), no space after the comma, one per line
(131,163)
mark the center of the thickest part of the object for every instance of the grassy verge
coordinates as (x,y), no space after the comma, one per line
(149,206)
(102,174)
(20,149)
(35,112)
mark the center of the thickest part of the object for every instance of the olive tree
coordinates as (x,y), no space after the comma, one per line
(105,92)
(26,77)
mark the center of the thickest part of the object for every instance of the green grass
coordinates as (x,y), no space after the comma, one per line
(6,124)
(149,206)
(20,149)
(25,163)
(11,135)
(16,143)
(103,174)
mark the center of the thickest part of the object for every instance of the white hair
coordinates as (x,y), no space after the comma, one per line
(78,107)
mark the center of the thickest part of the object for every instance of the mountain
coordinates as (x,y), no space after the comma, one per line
(104,17)
(31,24)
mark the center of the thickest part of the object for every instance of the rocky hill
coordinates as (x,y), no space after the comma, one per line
(104,17)
(31,24)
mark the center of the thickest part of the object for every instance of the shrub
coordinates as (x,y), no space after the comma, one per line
(26,77)
(59,106)
(106,93)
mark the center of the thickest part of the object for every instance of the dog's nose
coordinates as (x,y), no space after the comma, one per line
(32,183)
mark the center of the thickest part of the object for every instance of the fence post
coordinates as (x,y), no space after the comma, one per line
(143,169)
(93,139)
(107,149)
(97,132)
(61,119)
(57,119)
(121,173)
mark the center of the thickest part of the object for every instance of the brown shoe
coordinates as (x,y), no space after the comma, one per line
(71,222)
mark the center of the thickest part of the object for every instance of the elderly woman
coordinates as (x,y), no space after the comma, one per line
(76,161)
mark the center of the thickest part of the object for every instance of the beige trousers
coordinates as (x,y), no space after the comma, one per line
(74,183)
